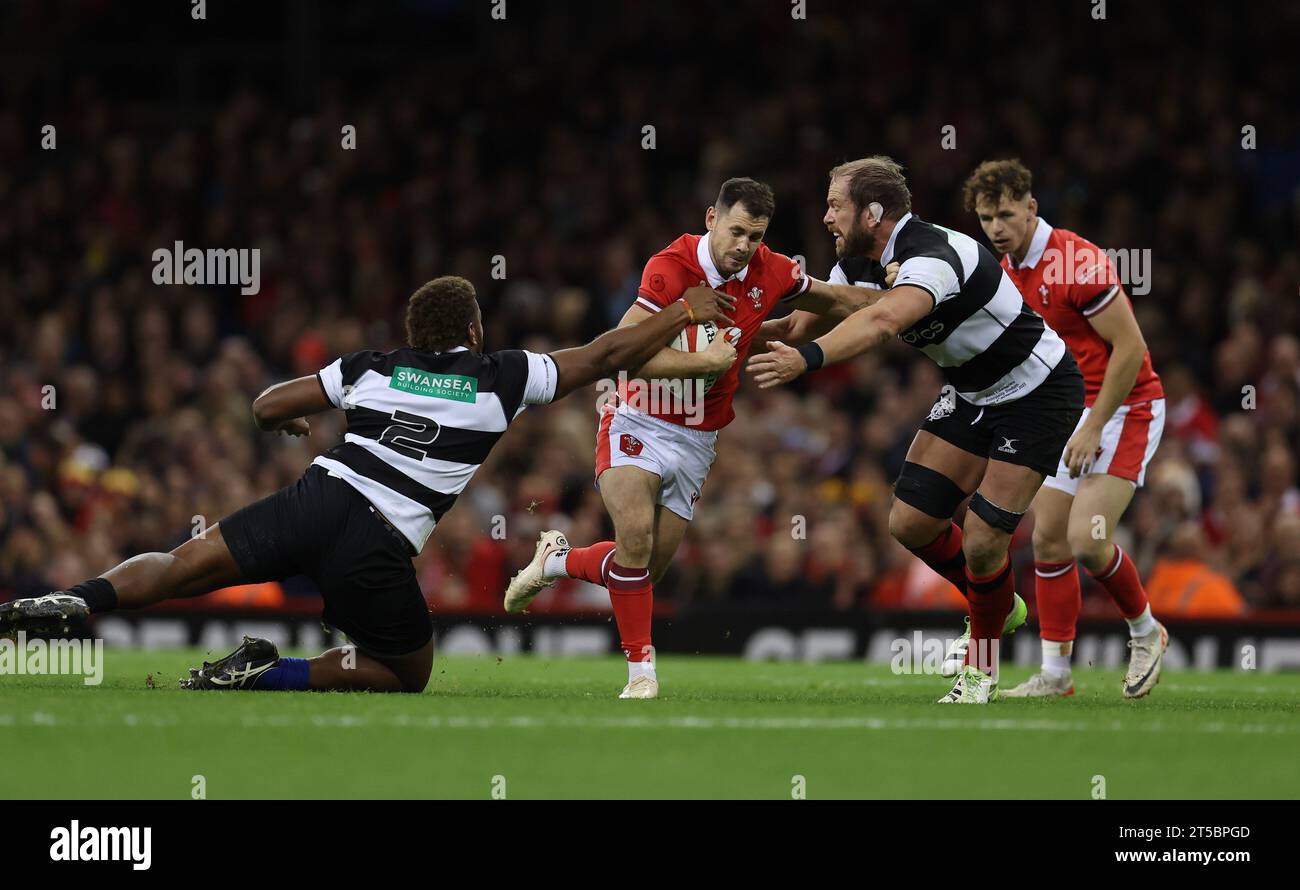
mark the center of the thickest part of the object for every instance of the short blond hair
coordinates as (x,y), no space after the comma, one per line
(877,178)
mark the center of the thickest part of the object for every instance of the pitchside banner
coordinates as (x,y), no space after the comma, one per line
(909,640)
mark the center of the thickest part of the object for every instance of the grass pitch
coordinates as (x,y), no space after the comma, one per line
(724,728)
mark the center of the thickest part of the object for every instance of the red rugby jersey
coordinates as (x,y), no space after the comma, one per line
(770,278)
(1067,279)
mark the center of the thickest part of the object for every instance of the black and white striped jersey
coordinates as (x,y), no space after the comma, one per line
(421,423)
(859,271)
(991,346)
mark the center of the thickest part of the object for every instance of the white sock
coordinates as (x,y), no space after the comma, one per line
(554,566)
(1142,625)
(1056,657)
(640,669)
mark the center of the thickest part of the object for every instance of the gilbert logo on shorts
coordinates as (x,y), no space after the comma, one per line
(456,387)
(92,844)
(630,445)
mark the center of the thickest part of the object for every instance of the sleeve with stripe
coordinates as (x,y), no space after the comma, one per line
(331,382)
(931,274)
(660,284)
(1094,284)
(542,379)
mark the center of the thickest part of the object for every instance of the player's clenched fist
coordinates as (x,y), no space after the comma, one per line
(781,365)
(720,355)
(708,304)
(891,272)
(296,426)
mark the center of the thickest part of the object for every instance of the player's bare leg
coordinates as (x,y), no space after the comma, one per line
(1056,589)
(200,565)
(1101,501)
(630,495)
(669,531)
(348,668)
(1003,497)
(932,535)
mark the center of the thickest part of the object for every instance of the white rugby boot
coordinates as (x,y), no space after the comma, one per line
(955,659)
(1144,658)
(642,686)
(973,687)
(1043,685)
(530,580)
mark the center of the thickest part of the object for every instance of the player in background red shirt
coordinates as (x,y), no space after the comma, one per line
(653,455)
(1072,284)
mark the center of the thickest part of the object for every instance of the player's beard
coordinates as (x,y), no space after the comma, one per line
(856,241)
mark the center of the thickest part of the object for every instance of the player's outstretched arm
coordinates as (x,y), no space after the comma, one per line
(675,364)
(867,329)
(823,306)
(284,406)
(630,346)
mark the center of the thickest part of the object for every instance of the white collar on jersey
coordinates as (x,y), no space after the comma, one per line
(1037,245)
(705,258)
(893,236)
(454,349)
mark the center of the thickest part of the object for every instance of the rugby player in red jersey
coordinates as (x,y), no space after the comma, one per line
(1071,283)
(652,458)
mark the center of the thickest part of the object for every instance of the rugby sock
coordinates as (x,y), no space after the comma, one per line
(588,563)
(99,594)
(1120,578)
(1056,657)
(991,598)
(945,556)
(288,674)
(1059,596)
(1142,625)
(633,597)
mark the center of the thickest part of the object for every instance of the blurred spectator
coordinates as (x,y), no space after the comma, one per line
(1182,585)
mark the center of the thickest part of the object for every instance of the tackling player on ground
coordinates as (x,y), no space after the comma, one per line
(1072,284)
(651,465)
(1013,396)
(421,420)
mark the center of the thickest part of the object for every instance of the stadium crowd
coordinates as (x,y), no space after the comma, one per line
(124,404)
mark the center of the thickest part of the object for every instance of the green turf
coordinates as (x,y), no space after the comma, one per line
(724,728)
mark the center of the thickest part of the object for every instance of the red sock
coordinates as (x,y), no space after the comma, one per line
(1120,578)
(633,597)
(945,556)
(589,563)
(1056,588)
(990,601)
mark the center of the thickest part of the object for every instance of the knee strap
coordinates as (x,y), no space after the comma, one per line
(993,514)
(929,491)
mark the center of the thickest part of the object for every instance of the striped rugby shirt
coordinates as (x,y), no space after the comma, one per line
(421,423)
(991,346)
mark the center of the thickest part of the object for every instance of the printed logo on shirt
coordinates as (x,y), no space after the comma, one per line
(456,387)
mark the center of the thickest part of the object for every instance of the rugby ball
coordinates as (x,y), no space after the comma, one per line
(697,337)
